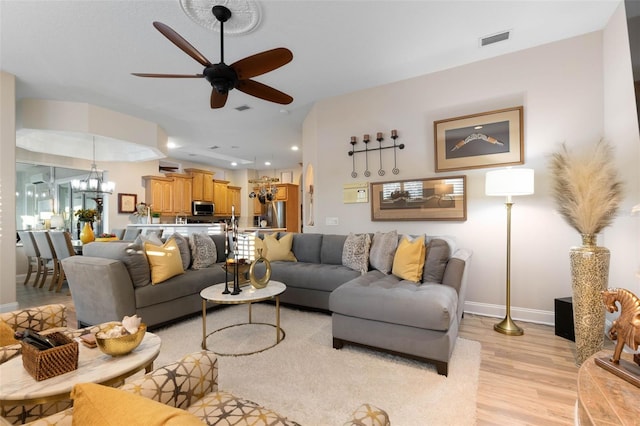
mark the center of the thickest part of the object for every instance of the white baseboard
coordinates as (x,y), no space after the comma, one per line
(8,307)
(522,314)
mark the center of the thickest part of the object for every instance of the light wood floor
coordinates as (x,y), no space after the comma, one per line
(524,380)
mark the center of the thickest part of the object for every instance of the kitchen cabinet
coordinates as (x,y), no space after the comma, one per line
(233,199)
(182,190)
(202,184)
(159,193)
(220,198)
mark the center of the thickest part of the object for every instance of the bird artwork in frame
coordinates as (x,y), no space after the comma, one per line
(488,139)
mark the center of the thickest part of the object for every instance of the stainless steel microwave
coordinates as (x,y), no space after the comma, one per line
(202,208)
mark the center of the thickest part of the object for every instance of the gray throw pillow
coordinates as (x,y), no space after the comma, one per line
(355,253)
(203,250)
(438,254)
(383,249)
(185,250)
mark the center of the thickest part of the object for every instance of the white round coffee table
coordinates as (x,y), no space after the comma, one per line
(19,388)
(248,296)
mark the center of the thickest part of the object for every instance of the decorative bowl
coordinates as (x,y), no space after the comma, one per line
(117,346)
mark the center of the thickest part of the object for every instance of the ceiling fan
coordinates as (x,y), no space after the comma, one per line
(238,75)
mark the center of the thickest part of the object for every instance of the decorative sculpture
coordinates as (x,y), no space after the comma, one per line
(626,329)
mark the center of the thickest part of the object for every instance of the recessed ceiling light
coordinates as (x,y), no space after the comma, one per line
(233,163)
(294,148)
(478,127)
(267,163)
(171,145)
(284,111)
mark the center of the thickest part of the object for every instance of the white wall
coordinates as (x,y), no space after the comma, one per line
(621,126)
(7,191)
(561,88)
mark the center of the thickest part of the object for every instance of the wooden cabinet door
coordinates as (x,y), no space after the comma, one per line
(257,207)
(159,193)
(182,191)
(220,198)
(207,187)
(233,199)
(202,184)
(197,191)
(282,194)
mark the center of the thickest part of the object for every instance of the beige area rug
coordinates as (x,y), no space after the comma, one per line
(308,381)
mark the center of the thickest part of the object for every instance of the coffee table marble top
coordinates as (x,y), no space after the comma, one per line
(248,294)
(17,386)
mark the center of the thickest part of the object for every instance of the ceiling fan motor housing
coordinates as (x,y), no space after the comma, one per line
(221,76)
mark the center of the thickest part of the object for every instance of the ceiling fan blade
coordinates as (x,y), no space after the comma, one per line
(262,91)
(183,44)
(218,99)
(140,74)
(260,63)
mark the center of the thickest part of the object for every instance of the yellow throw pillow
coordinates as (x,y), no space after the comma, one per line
(165,261)
(6,335)
(279,249)
(95,404)
(408,261)
(259,245)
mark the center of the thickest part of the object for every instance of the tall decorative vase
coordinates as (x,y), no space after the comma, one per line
(589,276)
(87,235)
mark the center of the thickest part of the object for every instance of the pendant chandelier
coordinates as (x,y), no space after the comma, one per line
(94,183)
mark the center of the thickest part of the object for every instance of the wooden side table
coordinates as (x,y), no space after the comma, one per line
(604,398)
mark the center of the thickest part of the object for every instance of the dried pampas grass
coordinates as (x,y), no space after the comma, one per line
(586,188)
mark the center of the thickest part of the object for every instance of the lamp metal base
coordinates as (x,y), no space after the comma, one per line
(508,327)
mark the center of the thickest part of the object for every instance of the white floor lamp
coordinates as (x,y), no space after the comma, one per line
(509,182)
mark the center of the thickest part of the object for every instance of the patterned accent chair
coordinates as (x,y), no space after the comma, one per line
(192,384)
(43,319)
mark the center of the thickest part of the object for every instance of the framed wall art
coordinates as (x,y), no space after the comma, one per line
(127,203)
(420,199)
(488,139)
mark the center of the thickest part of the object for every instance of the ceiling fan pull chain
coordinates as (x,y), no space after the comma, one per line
(380,139)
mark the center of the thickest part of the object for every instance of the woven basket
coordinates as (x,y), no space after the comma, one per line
(51,362)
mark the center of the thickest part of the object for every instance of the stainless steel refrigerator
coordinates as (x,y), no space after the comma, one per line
(277,214)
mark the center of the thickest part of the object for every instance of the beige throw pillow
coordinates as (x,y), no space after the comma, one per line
(165,260)
(383,248)
(279,249)
(355,252)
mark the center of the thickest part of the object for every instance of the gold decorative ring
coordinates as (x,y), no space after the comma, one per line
(260,282)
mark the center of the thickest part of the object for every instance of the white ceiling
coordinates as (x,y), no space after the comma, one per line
(85,50)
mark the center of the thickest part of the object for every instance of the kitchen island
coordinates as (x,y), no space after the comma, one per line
(181,228)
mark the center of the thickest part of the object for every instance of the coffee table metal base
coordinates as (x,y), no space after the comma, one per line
(211,294)
(279,338)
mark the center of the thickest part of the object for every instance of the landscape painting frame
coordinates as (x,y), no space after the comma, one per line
(442,198)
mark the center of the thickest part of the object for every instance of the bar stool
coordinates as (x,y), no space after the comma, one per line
(63,248)
(33,255)
(47,256)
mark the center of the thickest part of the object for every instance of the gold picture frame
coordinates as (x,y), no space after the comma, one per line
(420,199)
(127,203)
(488,139)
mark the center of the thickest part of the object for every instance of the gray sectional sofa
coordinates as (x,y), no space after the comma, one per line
(374,309)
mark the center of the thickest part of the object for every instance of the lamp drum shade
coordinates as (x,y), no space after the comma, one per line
(508,182)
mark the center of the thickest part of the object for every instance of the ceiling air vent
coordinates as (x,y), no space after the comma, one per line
(491,39)
(243,108)
(214,147)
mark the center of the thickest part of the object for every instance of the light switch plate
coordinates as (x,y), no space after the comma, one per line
(331,221)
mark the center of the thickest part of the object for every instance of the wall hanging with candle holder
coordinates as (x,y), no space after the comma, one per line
(366,140)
